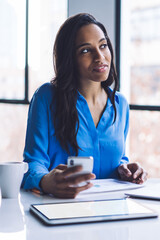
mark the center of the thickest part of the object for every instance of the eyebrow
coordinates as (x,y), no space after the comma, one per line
(88,44)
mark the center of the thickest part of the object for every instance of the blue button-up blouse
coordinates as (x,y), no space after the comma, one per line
(106,142)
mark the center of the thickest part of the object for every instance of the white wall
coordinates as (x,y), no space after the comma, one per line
(102,10)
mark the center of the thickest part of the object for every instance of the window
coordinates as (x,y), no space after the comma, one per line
(28,29)
(12,49)
(140,79)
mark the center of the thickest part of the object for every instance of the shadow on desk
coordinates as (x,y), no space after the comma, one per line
(12,220)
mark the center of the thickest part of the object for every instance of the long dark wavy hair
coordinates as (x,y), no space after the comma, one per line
(66,120)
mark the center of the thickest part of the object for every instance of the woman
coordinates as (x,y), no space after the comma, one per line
(78,114)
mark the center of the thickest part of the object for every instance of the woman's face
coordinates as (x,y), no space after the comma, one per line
(93,57)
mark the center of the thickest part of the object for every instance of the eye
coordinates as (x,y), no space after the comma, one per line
(103,45)
(85,50)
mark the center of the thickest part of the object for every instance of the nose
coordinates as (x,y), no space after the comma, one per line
(98,55)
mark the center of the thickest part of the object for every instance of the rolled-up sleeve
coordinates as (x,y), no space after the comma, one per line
(36,144)
(124,158)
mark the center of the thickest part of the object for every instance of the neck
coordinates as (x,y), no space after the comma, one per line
(92,92)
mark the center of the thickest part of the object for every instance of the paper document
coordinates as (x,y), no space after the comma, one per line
(110,185)
(150,192)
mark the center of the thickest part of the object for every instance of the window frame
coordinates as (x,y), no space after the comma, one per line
(118,63)
(26,82)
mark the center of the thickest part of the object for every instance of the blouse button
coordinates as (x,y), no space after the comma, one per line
(103,119)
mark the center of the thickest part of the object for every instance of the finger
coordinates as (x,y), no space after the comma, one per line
(85,187)
(124,171)
(142,178)
(133,166)
(72,170)
(77,190)
(137,173)
(65,194)
(60,175)
(70,181)
(61,167)
(80,178)
(71,192)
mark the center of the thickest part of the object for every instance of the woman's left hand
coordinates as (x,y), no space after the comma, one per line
(132,172)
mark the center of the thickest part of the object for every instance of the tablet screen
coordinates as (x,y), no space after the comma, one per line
(91,209)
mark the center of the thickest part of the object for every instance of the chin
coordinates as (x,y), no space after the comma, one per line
(99,80)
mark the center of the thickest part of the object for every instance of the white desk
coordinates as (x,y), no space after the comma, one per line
(16,222)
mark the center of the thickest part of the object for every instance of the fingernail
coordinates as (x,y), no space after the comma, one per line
(135,176)
(128,174)
(93,176)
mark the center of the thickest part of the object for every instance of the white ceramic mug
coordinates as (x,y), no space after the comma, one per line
(11,174)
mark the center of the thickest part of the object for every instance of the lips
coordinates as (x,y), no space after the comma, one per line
(100,68)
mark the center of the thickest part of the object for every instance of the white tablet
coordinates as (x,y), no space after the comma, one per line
(91,211)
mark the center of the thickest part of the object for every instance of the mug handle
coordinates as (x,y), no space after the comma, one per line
(25,167)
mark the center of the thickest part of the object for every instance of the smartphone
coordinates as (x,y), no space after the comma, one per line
(85,162)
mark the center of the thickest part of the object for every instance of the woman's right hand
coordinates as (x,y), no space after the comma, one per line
(62,184)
